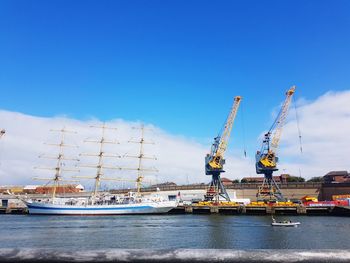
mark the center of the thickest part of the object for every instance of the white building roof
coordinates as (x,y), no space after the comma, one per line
(30,187)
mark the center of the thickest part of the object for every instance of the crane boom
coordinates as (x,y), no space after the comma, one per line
(281,120)
(218,152)
(269,159)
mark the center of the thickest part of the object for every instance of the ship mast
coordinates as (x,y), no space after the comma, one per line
(140,169)
(59,164)
(100,165)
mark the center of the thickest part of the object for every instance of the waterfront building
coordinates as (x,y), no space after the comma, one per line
(337,177)
(259,179)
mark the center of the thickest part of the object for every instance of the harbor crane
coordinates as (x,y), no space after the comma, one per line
(266,158)
(214,161)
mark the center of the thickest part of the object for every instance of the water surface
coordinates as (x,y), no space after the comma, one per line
(172,232)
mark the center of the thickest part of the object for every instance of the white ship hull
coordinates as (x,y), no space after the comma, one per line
(40,208)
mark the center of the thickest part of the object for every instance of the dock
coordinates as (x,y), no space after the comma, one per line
(235,210)
(262,210)
(13,210)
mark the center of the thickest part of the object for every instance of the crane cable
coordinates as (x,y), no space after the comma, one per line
(2,133)
(243,129)
(298,126)
(1,152)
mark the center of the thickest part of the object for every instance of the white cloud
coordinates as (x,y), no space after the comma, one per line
(324,123)
(325,129)
(178,158)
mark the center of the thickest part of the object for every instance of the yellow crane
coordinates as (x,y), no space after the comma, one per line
(214,161)
(266,158)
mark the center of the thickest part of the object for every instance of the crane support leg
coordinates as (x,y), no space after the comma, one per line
(269,190)
(216,189)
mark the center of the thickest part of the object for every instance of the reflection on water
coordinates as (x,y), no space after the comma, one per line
(172,231)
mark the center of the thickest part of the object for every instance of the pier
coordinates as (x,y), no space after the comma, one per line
(13,210)
(189,193)
(236,210)
(262,210)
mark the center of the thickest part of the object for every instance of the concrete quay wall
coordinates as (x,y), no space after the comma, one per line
(249,190)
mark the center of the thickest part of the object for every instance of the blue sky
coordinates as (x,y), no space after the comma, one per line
(175,64)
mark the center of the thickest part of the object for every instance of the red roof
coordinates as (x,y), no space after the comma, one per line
(224,179)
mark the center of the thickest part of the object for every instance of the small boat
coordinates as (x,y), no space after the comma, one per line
(284,223)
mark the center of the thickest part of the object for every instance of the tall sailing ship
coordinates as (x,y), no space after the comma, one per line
(99,203)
